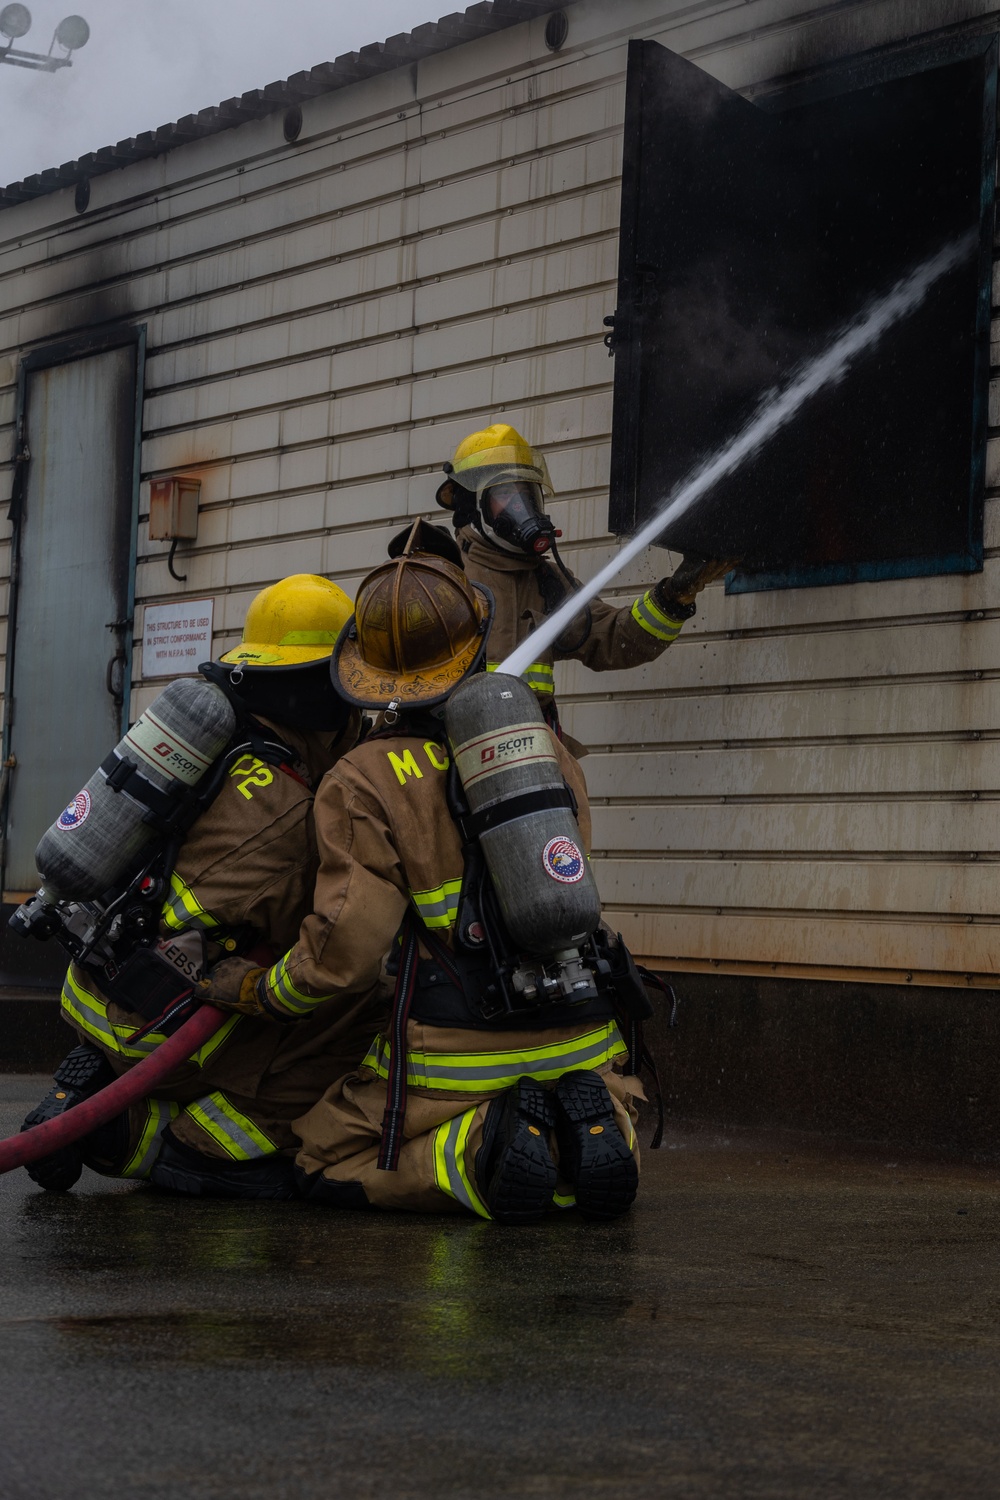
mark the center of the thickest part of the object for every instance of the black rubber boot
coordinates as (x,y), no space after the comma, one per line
(83,1072)
(330,1192)
(593,1154)
(181,1169)
(515,1172)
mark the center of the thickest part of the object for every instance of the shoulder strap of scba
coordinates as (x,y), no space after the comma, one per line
(174,808)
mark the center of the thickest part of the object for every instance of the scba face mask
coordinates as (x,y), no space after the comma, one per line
(511,516)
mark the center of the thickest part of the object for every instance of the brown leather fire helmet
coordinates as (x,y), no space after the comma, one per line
(420,627)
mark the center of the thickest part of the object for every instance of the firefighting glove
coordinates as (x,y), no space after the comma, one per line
(687,581)
(232,985)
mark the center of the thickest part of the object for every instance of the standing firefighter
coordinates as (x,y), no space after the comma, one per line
(495,489)
(497,1062)
(241,882)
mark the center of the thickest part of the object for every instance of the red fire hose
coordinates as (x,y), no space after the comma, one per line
(139,1081)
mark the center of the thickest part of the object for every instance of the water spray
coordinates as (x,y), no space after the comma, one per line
(775,410)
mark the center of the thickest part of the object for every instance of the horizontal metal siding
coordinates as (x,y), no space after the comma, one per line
(793,784)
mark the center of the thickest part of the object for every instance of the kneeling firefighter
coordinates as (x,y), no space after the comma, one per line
(219,882)
(495,488)
(496,1087)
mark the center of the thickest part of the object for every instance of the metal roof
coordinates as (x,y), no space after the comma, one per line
(379,57)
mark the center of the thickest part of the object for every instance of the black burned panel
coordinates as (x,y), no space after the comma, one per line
(748,240)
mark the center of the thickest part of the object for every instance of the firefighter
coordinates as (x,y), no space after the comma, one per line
(495,488)
(487,1100)
(243,880)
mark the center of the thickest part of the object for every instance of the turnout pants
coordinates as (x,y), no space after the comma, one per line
(453,1077)
(236,1097)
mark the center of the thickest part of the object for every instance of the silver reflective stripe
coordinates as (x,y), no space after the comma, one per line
(646,613)
(219,1124)
(439,907)
(565,1061)
(185,910)
(88,1011)
(159,1113)
(450,1154)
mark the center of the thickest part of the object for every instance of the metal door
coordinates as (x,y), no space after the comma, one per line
(70,669)
(748,238)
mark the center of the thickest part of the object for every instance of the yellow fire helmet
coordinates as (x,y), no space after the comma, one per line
(295,621)
(489,457)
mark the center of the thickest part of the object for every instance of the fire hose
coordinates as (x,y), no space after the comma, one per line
(134,1085)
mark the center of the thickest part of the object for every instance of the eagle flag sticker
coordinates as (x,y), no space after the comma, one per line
(563,861)
(78,811)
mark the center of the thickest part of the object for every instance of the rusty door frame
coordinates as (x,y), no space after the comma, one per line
(64,352)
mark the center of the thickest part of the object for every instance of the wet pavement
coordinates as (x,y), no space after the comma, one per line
(769,1321)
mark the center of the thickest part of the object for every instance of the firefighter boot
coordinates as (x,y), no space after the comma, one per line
(84,1072)
(514,1168)
(593,1154)
(179,1168)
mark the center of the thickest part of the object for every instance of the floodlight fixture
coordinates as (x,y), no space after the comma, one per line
(71,34)
(15,20)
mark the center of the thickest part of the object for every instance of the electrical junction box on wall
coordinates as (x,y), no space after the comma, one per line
(173,509)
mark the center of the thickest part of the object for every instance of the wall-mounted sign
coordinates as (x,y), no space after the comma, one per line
(176,637)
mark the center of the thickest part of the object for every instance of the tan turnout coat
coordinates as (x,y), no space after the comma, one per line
(618,637)
(250,862)
(387,842)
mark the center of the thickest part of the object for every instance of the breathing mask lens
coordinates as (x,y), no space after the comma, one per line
(513,510)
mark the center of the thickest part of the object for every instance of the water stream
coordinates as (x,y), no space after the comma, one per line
(776,409)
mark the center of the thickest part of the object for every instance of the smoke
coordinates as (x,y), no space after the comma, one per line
(776,409)
(148,62)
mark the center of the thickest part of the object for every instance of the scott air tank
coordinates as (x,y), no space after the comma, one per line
(145,780)
(528,834)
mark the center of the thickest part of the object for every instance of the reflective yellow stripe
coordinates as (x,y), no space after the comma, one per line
(564,1200)
(540,676)
(89,1011)
(236,1133)
(292,998)
(439,907)
(450,1172)
(488,1072)
(182,909)
(204,1053)
(647,613)
(123,1040)
(159,1113)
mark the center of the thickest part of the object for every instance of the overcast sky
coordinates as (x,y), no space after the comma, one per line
(150,61)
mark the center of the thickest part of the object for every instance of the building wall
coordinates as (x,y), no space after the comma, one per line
(795,786)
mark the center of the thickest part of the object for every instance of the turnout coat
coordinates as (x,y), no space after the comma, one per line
(605,637)
(388,845)
(244,878)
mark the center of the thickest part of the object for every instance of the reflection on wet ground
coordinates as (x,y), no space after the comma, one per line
(768,1322)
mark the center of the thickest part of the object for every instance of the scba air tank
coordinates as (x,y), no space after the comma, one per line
(528,834)
(145,780)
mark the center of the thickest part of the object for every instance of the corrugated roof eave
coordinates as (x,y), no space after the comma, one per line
(353,67)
